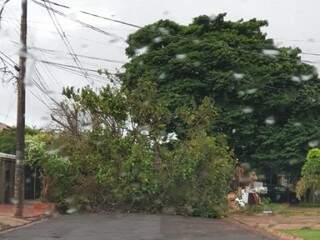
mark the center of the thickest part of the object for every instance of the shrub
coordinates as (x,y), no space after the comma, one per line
(310,175)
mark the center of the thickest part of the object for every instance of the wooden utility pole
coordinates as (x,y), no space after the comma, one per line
(21,102)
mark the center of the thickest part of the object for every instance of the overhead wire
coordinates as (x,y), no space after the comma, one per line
(90,26)
(95,15)
(64,38)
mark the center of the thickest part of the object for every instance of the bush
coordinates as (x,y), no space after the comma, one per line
(126,159)
(310,180)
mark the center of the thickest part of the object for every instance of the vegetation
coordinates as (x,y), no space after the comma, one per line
(266,97)
(120,155)
(8,139)
(309,183)
(305,234)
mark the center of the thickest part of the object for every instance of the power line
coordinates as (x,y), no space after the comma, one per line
(78,55)
(2,9)
(94,15)
(64,38)
(94,28)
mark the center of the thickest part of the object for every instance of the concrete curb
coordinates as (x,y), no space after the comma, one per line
(11,229)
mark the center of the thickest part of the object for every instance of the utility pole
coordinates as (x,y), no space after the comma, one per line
(21,106)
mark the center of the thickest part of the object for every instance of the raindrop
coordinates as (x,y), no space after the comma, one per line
(234,131)
(297,124)
(247,110)
(164,31)
(313,143)
(238,75)
(114,40)
(196,41)
(71,210)
(162,76)
(166,12)
(157,39)
(295,79)
(293,161)
(213,17)
(172,136)
(69,200)
(270,52)
(306,77)
(181,56)
(270,120)
(13,200)
(141,51)
(197,64)
(52,152)
(251,91)
(241,93)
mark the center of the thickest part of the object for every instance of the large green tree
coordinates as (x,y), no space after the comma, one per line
(267,98)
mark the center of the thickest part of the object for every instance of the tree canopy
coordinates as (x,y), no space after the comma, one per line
(267,98)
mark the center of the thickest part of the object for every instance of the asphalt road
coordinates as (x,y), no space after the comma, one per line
(133,227)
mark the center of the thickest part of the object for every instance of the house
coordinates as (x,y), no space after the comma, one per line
(7,168)
(7,171)
(3,126)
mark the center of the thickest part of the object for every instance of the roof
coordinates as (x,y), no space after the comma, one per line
(3,126)
(7,156)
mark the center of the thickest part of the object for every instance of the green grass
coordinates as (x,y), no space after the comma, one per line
(306,234)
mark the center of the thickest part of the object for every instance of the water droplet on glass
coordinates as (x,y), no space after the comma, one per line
(141,51)
(157,39)
(306,77)
(297,124)
(270,120)
(196,63)
(313,143)
(234,131)
(13,201)
(247,110)
(293,161)
(166,12)
(71,210)
(212,17)
(238,75)
(241,93)
(251,91)
(162,76)
(296,79)
(114,40)
(164,31)
(270,52)
(181,56)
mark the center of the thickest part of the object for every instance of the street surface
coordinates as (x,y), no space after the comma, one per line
(132,227)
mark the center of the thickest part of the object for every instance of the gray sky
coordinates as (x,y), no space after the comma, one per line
(291,23)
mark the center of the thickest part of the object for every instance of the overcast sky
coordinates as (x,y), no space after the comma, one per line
(291,23)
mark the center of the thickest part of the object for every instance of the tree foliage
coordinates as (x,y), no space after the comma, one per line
(123,155)
(310,176)
(267,98)
(8,139)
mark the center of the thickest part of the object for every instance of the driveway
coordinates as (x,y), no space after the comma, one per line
(133,227)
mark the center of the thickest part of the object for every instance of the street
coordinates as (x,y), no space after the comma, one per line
(133,227)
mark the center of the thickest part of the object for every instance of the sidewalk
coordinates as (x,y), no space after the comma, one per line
(275,223)
(33,210)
